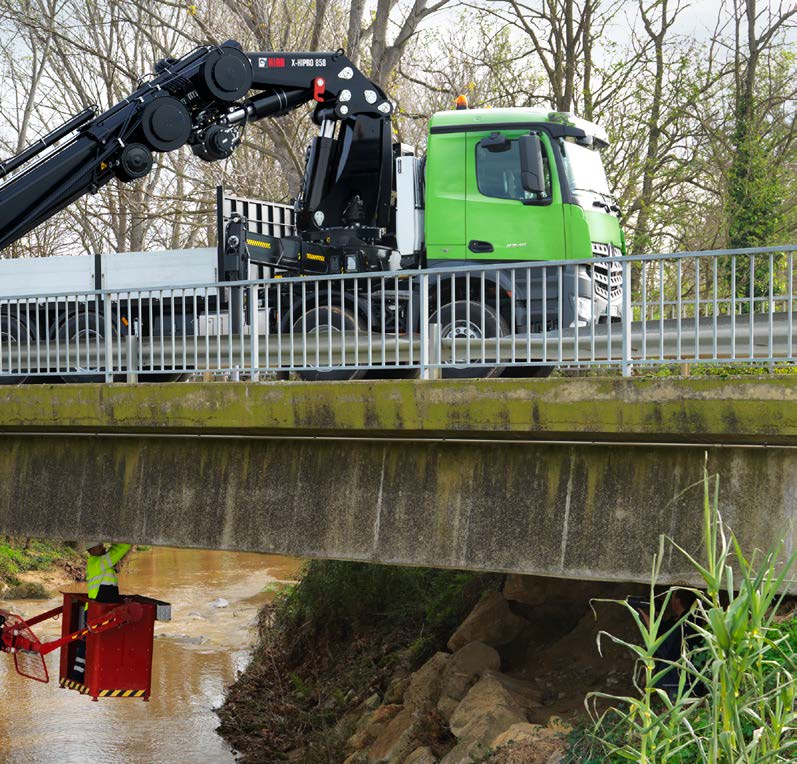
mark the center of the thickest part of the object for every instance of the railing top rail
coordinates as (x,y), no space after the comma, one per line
(403,274)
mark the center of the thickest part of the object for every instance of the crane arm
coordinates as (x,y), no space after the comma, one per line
(202,100)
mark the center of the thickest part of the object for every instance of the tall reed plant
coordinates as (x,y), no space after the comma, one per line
(734,702)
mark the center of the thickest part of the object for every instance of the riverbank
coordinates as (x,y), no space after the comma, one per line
(35,568)
(358,665)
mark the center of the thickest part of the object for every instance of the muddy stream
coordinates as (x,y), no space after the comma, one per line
(215,599)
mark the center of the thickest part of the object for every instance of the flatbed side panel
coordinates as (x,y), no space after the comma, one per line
(160,270)
(46,275)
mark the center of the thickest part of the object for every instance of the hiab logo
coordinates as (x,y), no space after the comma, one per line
(271,63)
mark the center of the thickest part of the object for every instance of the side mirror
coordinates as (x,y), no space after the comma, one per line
(495,143)
(532,176)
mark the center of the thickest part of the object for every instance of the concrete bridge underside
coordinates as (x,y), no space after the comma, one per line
(571,478)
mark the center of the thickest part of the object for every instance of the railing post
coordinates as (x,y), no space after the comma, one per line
(254,339)
(132,358)
(627,319)
(433,370)
(107,314)
(424,318)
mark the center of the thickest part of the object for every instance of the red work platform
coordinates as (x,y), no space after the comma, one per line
(118,661)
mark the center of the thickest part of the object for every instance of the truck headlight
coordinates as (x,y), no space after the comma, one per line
(584,308)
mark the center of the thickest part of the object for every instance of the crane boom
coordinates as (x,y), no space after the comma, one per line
(203,100)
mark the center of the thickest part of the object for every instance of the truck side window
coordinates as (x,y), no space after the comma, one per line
(498,174)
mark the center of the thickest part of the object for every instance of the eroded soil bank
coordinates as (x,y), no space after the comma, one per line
(448,668)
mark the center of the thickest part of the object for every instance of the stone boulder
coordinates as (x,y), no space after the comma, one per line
(425,684)
(467,665)
(372,725)
(396,689)
(398,739)
(405,732)
(486,711)
(530,590)
(529,743)
(422,755)
(525,694)
(491,622)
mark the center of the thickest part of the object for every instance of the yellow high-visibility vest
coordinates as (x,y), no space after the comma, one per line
(101,571)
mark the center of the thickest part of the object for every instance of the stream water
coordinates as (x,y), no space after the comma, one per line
(215,599)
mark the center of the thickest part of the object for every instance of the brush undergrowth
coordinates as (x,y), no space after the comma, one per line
(345,631)
(35,555)
(735,698)
(339,599)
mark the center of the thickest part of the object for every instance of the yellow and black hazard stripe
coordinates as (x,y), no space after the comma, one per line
(71,684)
(256,243)
(122,693)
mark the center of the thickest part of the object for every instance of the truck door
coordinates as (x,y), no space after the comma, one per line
(504,222)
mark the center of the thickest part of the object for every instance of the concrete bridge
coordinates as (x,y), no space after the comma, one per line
(567,477)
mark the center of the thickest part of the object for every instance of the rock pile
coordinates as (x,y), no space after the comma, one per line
(520,660)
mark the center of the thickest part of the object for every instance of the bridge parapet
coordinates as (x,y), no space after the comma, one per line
(740,410)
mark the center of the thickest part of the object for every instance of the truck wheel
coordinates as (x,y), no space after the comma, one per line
(161,378)
(85,332)
(463,319)
(318,323)
(13,333)
(527,372)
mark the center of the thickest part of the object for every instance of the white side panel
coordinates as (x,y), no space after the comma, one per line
(178,267)
(409,212)
(46,275)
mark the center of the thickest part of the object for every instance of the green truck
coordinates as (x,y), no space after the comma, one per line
(495,186)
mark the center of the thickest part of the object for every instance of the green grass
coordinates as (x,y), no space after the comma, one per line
(722,370)
(40,555)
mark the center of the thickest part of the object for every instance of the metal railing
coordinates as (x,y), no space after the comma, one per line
(518,319)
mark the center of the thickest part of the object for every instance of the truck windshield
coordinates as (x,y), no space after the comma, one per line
(584,168)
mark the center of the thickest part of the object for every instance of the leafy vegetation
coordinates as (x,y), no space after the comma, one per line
(737,689)
(723,370)
(16,559)
(339,599)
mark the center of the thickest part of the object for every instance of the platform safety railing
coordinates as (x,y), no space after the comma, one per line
(519,319)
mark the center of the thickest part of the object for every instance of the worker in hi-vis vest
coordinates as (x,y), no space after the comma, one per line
(101,574)
(103,583)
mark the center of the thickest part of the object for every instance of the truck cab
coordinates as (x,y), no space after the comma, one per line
(477,210)
(477,207)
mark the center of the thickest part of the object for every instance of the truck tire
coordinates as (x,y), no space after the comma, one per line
(463,319)
(318,322)
(13,333)
(162,378)
(83,329)
(527,372)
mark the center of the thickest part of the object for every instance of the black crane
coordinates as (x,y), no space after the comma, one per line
(204,100)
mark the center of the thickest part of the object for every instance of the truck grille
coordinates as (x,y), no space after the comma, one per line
(608,276)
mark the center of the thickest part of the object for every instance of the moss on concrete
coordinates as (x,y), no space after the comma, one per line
(741,410)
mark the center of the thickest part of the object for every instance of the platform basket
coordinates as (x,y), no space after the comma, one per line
(28,664)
